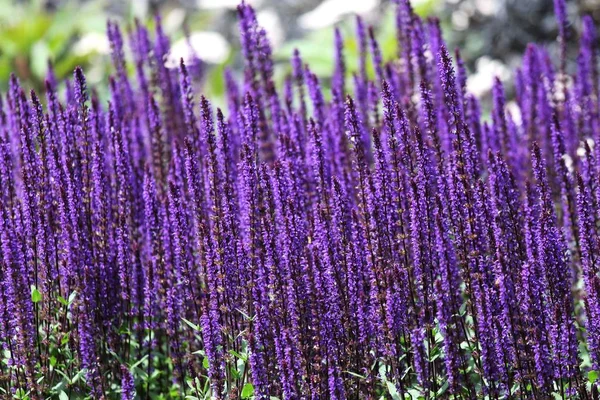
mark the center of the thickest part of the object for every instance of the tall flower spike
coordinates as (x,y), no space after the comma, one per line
(590,267)
(560,279)
(447,79)
(404,18)
(565,181)
(299,79)
(447,290)
(560,9)
(127,384)
(376,55)
(115,39)
(499,118)
(339,75)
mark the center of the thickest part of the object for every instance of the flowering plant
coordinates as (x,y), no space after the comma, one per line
(385,242)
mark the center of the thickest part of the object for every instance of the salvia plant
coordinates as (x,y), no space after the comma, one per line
(380,240)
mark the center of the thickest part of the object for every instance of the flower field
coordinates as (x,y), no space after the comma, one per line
(383,238)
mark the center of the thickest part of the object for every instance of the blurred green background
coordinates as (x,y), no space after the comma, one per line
(491,33)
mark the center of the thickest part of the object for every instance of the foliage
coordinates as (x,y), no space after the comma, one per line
(30,37)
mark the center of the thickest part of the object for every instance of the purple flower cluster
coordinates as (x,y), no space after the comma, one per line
(377,239)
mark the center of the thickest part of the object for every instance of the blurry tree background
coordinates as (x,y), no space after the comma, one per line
(490,33)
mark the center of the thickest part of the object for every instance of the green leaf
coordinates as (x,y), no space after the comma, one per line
(463,309)
(72,297)
(191,324)
(190,383)
(63,396)
(238,355)
(63,301)
(593,376)
(78,376)
(139,362)
(141,373)
(438,336)
(205,362)
(65,339)
(247,391)
(21,394)
(515,387)
(155,374)
(354,374)
(234,373)
(66,379)
(443,389)
(435,353)
(36,296)
(246,316)
(392,390)
(115,355)
(406,371)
